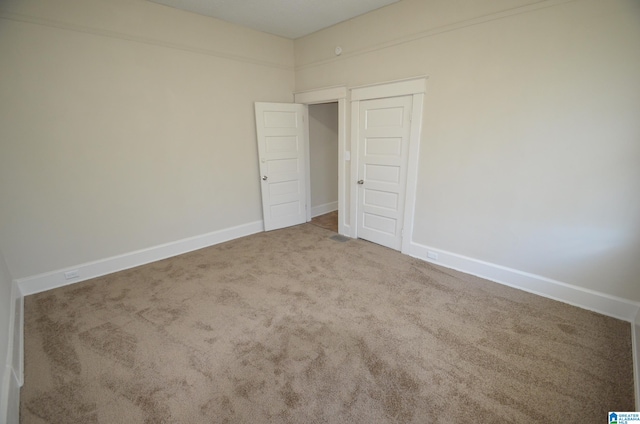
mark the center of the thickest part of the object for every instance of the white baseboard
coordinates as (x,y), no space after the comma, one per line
(635,338)
(605,304)
(17,345)
(13,410)
(51,280)
(5,375)
(592,300)
(10,409)
(322,209)
(12,375)
(344,230)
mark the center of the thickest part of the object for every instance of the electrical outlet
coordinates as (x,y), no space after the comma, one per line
(70,275)
(432,255)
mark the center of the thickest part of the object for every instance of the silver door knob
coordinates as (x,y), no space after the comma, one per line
(360,181)
(264,178)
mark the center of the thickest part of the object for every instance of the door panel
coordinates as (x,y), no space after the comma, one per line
(384,128)
(281,136)
(381,199)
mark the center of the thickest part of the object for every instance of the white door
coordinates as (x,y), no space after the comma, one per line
(281,135)
(384,128)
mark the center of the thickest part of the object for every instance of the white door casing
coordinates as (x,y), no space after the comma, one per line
(281,134)
(384,129)
(339,95)
(416,88)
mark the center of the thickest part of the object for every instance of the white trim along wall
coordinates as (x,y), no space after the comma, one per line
(17,353)
(86,271)
(13,376)
(592,300)
(324,208)
(635,338)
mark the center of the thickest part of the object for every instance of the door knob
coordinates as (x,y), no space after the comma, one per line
(264,178)
(361,182)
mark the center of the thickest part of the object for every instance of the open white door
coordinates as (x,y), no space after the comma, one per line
(282,132)
(383,148)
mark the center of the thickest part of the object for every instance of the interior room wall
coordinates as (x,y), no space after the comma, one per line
(323,150)
(529,155)
(126,125)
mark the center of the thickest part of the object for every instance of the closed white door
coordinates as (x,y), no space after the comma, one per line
(384,128)
(281,135)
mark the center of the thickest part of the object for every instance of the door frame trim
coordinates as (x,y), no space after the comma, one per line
(416,87)
(330,95)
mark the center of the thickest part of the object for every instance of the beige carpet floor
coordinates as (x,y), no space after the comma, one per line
(291,326)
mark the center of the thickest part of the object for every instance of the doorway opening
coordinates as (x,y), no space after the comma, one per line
(326,101)
(323,164)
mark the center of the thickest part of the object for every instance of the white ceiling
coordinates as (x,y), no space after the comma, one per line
(286,18)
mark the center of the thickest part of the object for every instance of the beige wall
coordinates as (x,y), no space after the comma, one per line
(121,122)
(530,149)
(323,150)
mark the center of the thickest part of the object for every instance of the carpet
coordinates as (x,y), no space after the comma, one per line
(290,326)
